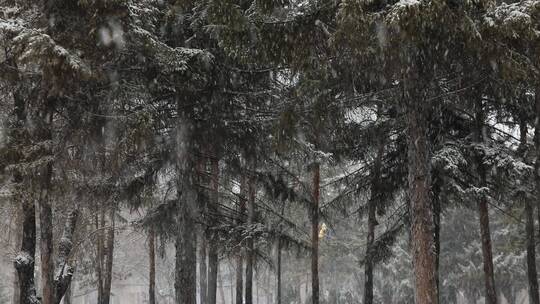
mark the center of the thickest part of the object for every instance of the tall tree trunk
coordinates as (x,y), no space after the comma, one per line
(64,272)
(250,253)
(436,189)
(278,272)
(239,255)
(213,254)
(46,239)
(67,295)
(315,235)
(202,236)
(100,222)
(221,291)
(109,256)
(532,275)
(372,222)
(485,235)
(152,268)
(186,246)
(203,271)
(18,239)
(25,260)
(421,209)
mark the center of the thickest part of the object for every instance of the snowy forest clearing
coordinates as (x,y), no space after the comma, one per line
(269,152)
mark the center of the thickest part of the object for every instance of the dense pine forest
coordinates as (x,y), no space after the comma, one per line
(269,151)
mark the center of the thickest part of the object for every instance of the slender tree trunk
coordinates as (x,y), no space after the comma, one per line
(186,245)
(250,254)
(315,236)
(421,209)
(25,260)
(239,279)
(485,235)
(100,222)
(213,268)
(64,272)
(278,272)
(213,254)
(221,291)
(152,270)
(46,239)
(18,239)
(532,275)
(436,188)
(67,295)
(239,256)
(109,256)
(203,271)
(202,236)
(372,222)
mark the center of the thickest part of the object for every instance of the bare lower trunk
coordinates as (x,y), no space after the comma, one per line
(485,235)
(221,291)
(109,259)
(186,245)
(250,253)
(213,268)
(491,294)
(239,254)
(315,236)
(203,271)
(64,272)
(537,149)
(18,239)
(152,268)
(437,227)
(531,254)
(532,275)
(278,272)
(100,222)
(239,279)
(25,260)
(213,254)
(46,239)
(67,295)
(421,209)
(368,267)
(372,222)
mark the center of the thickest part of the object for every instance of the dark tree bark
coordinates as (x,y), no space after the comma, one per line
(100,223)
(250,253)
(372,222)
(25,260)
(213,254)
(18,239)
(202,236)
(278,272)
(67,295)
(152,270)
(485,235)
(532,274)
(421,209)
(186,246)
(46,239)
(437,227)
(109,258)
(64,272)
(203,271)
(315,235)
(239,254)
